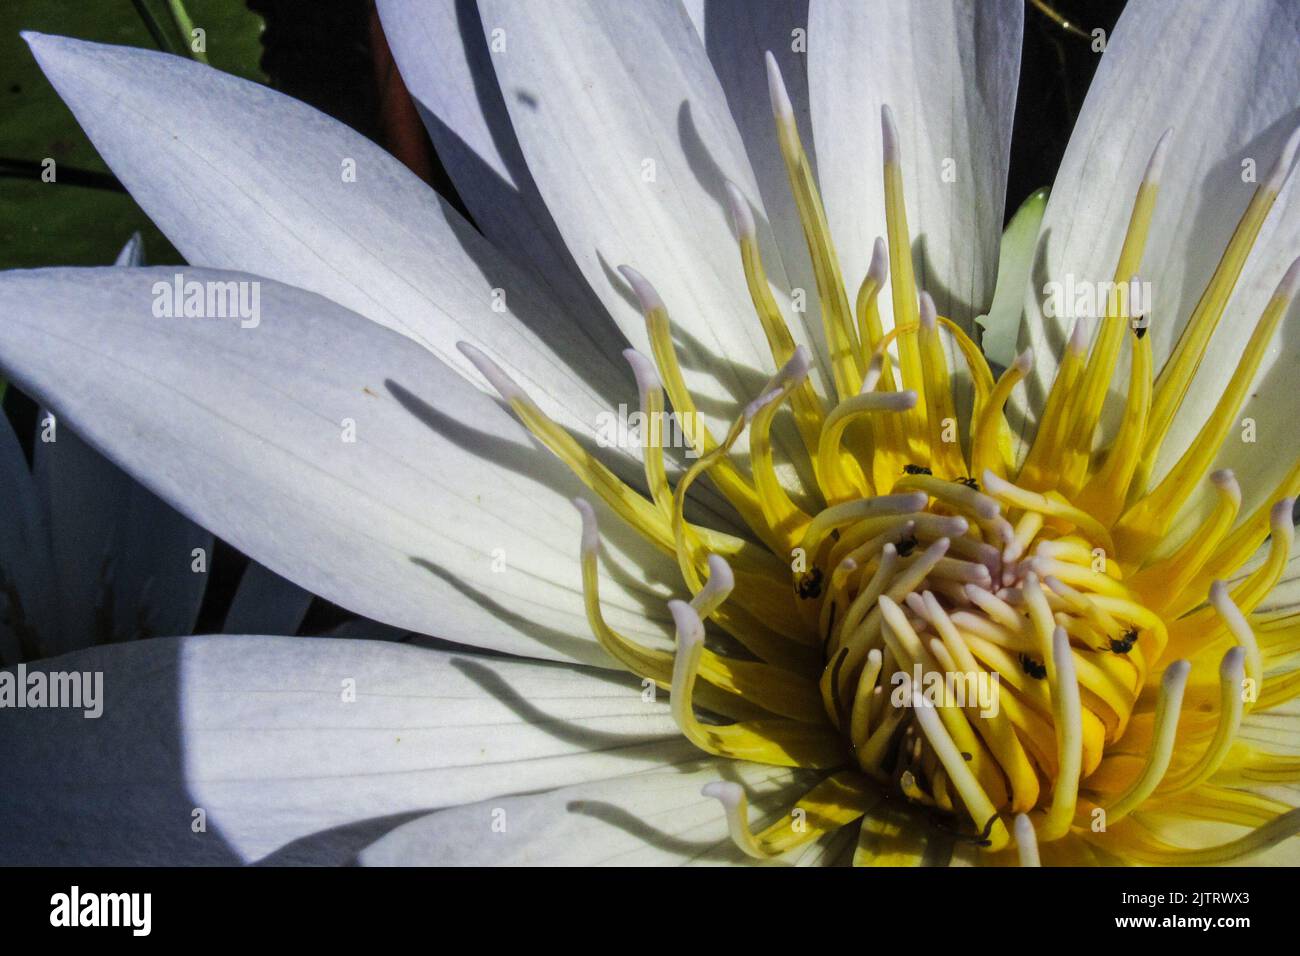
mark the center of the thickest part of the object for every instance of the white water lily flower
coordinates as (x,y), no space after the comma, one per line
(350,445)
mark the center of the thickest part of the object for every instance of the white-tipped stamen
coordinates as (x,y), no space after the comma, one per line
(889,135)
(1156,164)
(590,530)
(1277,176)
(736,807)
(716,589)
(1240,629)
(645,293)
(776,91)
(878,270)
(1026,841)
(647,376)
(1168,708)
(497,377)
(742,216)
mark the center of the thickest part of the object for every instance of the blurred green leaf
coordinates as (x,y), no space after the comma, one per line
(63,222)
(172,29)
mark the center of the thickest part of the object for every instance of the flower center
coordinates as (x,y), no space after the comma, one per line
(996,640)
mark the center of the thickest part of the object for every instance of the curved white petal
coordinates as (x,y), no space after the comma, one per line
(241,177)
(629,137)
(948,70)
(643,819)
(304,748)
(341,455)
(443,57)
(1241,110)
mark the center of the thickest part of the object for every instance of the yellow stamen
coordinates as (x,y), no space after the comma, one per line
(1047,506)
(1148,520)
(779,742)
(1106,492)
(1093,387)
(1231,706)
(840,475)
(1049,438)
(1068,721)
(1172,576)
(977,802)
(727,477)
(903,282)
(1240,629)
(991,450)
(1176,377)
(807,406)
(837,316)
(945,449)
(870,331)
(1168,707)
(651,393)
(733,682)
(836,801)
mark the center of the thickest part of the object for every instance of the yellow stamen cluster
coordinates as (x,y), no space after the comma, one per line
(986,643)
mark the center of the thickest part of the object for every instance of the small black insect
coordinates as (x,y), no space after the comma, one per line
(1140,327)
(969,483)
(1122,645)
(906,546)
(916,470)
(1033,668)
(810,585)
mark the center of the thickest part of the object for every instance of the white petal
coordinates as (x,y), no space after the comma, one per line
(630,140)
(243,178)
(949,73)
(441,517)
(306,748)
(443,57)
(644,819)
(1242,109)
